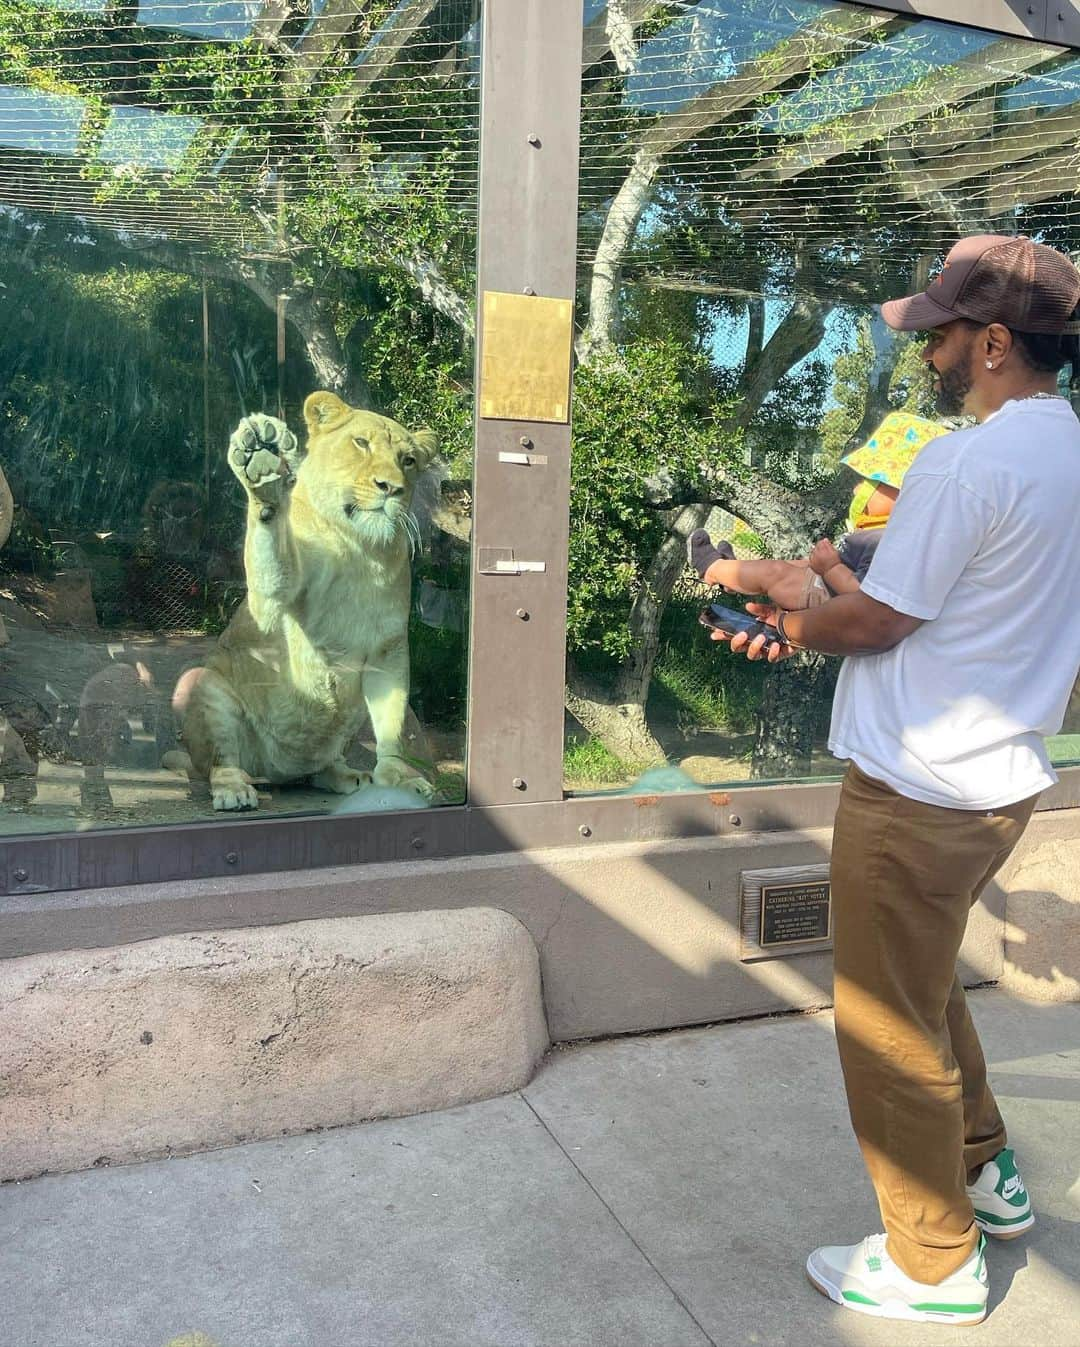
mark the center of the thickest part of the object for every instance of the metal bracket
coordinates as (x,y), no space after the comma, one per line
(501,561)
(526,460)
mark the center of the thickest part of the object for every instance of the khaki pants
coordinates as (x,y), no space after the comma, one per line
(904,876)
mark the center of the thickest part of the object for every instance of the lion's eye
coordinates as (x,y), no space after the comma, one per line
(360,442)
(408,461)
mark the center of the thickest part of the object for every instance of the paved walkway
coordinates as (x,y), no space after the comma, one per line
(657,1191)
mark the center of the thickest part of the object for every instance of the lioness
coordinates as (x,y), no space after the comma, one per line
(324,628)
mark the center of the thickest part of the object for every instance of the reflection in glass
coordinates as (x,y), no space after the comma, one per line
(41,122)
(235,410)
(142,138)
(754,179)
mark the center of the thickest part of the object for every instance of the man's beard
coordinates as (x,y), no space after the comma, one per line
(953,386)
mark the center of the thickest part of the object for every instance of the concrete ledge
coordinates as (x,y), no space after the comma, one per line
(194,1041)
(632,936)
(1042,914)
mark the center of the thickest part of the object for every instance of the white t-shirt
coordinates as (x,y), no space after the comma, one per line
(983,545)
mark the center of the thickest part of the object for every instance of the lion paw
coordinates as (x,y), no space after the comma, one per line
(263,456)
(231,789)
(396,772)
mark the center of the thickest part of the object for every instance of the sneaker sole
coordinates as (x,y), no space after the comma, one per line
(893,1309)
(1020,1227)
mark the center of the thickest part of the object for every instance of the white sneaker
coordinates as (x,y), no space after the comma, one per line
(863,1277)
(1002,1206)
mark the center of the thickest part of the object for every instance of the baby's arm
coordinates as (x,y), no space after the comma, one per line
(825,561)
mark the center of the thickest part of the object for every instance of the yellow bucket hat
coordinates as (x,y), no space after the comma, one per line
(892,448)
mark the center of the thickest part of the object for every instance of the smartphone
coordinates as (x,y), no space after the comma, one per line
(729,621)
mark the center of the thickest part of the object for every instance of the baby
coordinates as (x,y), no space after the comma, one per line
(881,463)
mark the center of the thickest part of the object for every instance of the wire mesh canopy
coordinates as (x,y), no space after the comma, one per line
(208,119)
(725,143)
(728,144)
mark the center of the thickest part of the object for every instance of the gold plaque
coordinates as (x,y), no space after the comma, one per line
(786,910)
(795,914)
(525,370)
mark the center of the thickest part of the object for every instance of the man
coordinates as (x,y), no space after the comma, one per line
(965,644)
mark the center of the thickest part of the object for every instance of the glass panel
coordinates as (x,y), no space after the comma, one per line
(237,248)
(755,178)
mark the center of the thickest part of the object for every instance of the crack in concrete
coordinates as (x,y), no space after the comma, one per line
(292,1017)
(298,976)
(679,1300)
(563,902)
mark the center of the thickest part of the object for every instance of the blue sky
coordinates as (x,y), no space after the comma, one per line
(51,124)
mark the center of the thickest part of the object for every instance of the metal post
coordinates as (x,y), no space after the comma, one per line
(1024,18)
(282,300)
(206,393)
(530,124)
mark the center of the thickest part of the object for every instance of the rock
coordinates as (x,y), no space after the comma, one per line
(195,1041)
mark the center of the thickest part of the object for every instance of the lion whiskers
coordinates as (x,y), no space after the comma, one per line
(384,525)
(412,531)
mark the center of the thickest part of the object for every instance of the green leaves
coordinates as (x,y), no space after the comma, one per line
(637,415)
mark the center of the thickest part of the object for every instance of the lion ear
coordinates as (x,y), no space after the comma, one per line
(427,442)
(322,411)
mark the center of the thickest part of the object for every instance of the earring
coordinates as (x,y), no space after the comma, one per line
(989,364)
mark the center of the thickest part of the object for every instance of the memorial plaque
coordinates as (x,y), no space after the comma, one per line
(792,914)
(785,910)
(525,367)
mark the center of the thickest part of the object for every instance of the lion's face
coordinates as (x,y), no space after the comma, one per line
(361,468)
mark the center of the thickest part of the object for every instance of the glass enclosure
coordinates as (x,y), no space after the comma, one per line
(237,273)
(237,251)
(755,178)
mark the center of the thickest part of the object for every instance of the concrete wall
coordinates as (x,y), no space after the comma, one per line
(631,937)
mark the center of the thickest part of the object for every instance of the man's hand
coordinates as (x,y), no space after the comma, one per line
(764,612)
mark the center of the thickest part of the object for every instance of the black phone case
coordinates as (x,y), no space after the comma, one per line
(729,621)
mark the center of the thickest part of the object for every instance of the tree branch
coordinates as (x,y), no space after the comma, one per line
(839,287)
(305,311)
(1034,180)
(755,335)
(788,520)
(649,603)
(799,333)
(834,31)
(274,16)
(336,20)
(436,289)
(624,17)
(910,175)
(381,53)
(1005,143)
(308,314)
(995,65)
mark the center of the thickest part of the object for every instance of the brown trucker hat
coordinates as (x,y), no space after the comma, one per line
(995,278)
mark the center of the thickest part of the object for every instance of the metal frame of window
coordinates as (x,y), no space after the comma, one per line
(1045,20)
(528,218)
